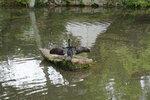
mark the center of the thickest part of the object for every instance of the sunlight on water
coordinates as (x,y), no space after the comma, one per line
(22,73)
(111,90)
(26,75)
(145,85)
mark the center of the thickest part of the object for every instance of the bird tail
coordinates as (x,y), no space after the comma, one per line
(69,58)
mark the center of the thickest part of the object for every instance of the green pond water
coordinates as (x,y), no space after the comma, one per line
(119,40)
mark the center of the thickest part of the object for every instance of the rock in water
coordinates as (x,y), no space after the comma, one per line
(77,62)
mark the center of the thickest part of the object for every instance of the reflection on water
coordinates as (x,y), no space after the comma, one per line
(26,75)
(119,45)
(87,32)
(56,77)
(21,73)
(145,85)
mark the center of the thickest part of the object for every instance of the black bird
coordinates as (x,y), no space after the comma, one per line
(58,50)
(69,50)
(81,49)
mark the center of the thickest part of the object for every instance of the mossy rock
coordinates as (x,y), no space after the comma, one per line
(76,63)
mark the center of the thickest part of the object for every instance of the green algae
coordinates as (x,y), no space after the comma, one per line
(67,65)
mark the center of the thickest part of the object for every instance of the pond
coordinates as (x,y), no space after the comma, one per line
(119,40)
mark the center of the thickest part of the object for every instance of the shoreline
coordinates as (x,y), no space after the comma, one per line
(131,5)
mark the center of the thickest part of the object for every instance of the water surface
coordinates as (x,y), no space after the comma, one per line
(120,47)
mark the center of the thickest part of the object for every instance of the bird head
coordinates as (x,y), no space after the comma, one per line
(69,42)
